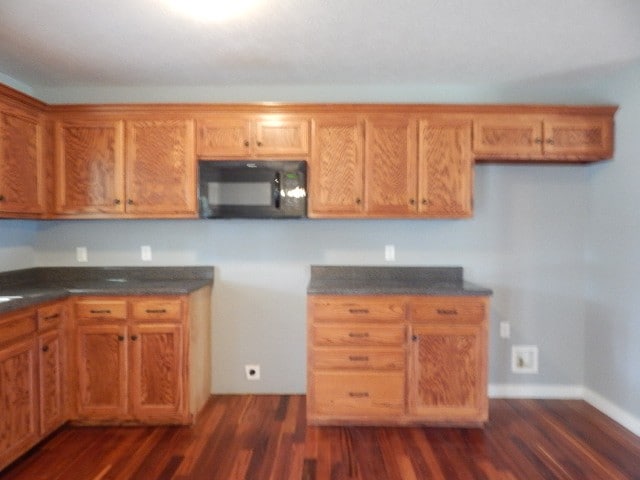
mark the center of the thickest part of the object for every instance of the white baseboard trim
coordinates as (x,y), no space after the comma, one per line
(573,392)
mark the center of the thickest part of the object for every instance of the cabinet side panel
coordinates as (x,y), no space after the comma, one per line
(199,335)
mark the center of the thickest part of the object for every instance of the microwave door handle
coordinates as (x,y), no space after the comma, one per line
(276,190)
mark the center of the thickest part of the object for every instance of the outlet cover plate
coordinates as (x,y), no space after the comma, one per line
(524,358)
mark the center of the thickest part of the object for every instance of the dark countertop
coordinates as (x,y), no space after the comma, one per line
(38,285)
(357,280)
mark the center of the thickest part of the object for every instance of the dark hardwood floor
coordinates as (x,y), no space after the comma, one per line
(265,438)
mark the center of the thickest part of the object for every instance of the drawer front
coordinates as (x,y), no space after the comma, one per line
(51,316)
(17,325)
(358,334)
(357,308)
(157,309)
(101,309)
(359,358)
(358,394)
(449,309)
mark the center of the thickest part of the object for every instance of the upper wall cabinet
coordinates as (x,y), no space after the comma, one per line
(397,176)
(22,188)
(543,137)
(137,168)
(231,136)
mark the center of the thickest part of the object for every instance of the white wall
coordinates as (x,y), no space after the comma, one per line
(17,238)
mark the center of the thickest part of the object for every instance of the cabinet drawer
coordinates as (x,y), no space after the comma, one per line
(370,358)
(101,309)
(358,394)
(17,325)
(358,308)
(50,316)
(448,310)
(157,309)
(358,334)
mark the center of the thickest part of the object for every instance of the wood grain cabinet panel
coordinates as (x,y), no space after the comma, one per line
(391,166)
(22,186)
(429,367)
(547,137)
(51,363)
(18,399)
(160,167)
(254,136)
(89,166)
(336,173)
(445,167)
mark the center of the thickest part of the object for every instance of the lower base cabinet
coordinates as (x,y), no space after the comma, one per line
(397,360)
(141,359)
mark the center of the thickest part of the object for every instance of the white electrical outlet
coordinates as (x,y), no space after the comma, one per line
(145,253)
(81,254)
(524,358)
(505,330)
(390,253)
(252,372)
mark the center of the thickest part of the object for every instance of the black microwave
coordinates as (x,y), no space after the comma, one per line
(252,189)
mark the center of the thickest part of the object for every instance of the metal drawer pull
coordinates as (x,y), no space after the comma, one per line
(359,358)
(359,335)
(359,310)
(45,348)
(52,317)
(358,394)
(158,310)
(444,311)
(100,311)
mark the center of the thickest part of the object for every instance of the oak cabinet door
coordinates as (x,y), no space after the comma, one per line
(102,371)
(160,167)
(282,137)
(224,136)
(18,399)
(448,372)
(445,168)
(336,173)
(585,137)
(89,167)
(391,174)
(21,168)
(157,378)
(507,135)
(51,364)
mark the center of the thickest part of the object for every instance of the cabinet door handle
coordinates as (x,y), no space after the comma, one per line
(359,334)
(134,337)
(45,348)
(121,338)
(550,141)
(445,311)
(358,394)
(1,198)
(359,358)
(358,201)
(156,310)
(538,141)
(246,143)
(100,311)
(359,310)
(259,144)
(52,317)
(116,201)
(414,338)
(130,201)
(412,201)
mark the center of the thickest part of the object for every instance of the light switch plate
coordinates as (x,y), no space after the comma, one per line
(81,254)
(145,253)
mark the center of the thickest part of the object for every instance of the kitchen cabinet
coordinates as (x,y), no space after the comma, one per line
(131,168)
(336,170)
(132,354)
(543,137)
(89,161)
(275,136)
(31,376)
(397,360)
(22,186)
(398,174)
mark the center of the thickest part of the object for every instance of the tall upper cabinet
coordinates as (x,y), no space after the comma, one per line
(22,175)
(125,167)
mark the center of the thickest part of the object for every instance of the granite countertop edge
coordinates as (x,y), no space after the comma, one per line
(41,285)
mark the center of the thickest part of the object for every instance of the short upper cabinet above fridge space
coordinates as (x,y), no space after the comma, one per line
(542,137)
(116,167)
(258,136)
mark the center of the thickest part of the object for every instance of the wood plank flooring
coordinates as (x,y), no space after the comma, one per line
(266,438)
